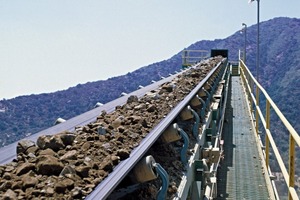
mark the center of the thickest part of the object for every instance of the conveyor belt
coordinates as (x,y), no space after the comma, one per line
(108,185)
(8,153)
(104,189)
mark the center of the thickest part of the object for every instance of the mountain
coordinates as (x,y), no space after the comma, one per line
(279,72)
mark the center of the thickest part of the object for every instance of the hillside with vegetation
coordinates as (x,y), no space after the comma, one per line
(279,74)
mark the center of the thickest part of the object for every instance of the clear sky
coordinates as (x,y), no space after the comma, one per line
(50,45)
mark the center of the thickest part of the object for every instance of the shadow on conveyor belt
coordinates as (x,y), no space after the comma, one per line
(227,136)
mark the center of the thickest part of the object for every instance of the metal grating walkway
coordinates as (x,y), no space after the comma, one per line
(241,174)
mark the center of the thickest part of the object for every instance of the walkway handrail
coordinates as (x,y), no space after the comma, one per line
(294,138)
(197,56)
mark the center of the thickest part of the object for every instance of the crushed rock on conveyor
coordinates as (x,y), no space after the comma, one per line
(69,165)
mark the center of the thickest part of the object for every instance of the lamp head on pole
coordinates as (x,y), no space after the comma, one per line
(250,1)
(244,27)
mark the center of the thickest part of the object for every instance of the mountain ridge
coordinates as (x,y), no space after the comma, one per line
(280,42)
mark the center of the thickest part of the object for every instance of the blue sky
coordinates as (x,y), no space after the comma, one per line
(51,45)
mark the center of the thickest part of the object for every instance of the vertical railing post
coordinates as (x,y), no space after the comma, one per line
(291,164)
(249,95)
(256,113)
(251,100)
(267,144)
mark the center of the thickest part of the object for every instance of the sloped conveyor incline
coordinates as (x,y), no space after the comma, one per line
(69,165)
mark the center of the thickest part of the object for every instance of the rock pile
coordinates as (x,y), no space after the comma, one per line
(69,165)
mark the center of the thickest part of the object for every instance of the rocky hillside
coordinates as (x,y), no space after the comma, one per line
(280,70)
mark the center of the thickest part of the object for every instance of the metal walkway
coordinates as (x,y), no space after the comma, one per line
(241,174)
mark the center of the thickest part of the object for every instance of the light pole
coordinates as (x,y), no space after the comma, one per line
(257,45)
(245,34)
(257,74)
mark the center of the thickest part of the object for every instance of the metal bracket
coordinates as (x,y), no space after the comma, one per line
(162,193)
(203,108)
(185,146)
(212,154)
(196,124)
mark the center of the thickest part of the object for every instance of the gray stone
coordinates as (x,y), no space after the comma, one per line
(123,153)
(83,171)
(29,180)
(132,98)
(42,140)
(151,108)
(168,87)
(7,176)
(76,193)
(152,96)
(106,146)
(5,186)
(140,107)
(101,130)
(24,168)
(10,195)
(32,150)
(121,129)
(53,142)
(49,152)
(49,165)
(9,168)
(70,155)
(86,146)
(116,123)
(23,145)
(115,159)
(68,170)
(67,138)
(134,119)
(106,165)
(63,185)
(49,191)
(87,159)
(144,123)
(17,185)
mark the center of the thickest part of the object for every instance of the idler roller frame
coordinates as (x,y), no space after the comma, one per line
(171,134)
(174,133)
(146,170)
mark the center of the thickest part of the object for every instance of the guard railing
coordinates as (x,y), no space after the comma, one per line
(252,85)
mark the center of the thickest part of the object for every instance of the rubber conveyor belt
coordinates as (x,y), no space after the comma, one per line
(8,153)
(108,185)
(103,190)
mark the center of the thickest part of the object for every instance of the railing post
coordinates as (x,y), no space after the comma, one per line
(251,100)
(256,113)
(289,175)
(250,83)
(291,164)
(267,143)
